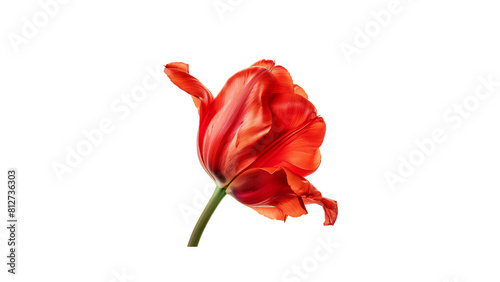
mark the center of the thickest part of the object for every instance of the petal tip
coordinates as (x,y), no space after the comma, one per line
(331,211)
(177,65)
(268,64)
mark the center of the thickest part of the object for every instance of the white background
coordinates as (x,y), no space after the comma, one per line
(122,210)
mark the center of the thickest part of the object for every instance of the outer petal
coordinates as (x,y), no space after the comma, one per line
(271,212)
(299,91)
(179,74)
(239,116)
(268,193)
(310,195)
(297,133)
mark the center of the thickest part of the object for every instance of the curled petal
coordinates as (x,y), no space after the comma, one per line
(202,98)
(310,195)
(179,75)
(268,193)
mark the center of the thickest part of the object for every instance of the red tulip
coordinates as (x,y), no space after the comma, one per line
(258,139)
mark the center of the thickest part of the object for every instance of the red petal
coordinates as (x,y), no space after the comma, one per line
(239,116)
(267,192)
(299,91)
(310,195)
(179,74)
(271,212)
(284,82)
(268,64)
(296,134)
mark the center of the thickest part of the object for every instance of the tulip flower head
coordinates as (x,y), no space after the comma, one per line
(257,139)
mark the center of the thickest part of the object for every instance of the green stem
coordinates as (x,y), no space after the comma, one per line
(214,201)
